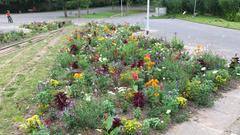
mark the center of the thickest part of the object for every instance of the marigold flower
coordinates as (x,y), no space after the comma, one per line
(147,58)
(77,76)
(156,94)
(152,83)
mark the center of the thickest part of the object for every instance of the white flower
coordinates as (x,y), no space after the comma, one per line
(163,78)
(238,74)
(102,59)
(204,75)
(88,97)
(215,71)
(168,112)
(111,93)
(163,67)
(162,122)
(203,68)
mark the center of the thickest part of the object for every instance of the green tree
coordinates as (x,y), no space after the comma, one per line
(63,4)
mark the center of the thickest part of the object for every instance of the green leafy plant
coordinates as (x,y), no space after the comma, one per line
(137,113)
(112,126)
(108,107)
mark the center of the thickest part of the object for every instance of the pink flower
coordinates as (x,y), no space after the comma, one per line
(161,86)
(135,76)
(147,55)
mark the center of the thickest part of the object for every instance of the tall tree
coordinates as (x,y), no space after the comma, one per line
(63,4)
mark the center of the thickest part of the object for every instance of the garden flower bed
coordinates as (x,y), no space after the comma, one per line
(35,28)
(109,81)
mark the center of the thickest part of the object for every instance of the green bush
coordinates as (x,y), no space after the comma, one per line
(230,9)
(219,77)
(85,115)
(213,61)
(199,91)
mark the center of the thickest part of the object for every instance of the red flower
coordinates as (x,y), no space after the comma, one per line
(135,76)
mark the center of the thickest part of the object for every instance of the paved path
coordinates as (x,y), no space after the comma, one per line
(221,119)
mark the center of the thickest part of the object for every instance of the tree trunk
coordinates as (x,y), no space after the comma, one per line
(65,12)
(127,8)
(79,12)
(112,6)
(87,9)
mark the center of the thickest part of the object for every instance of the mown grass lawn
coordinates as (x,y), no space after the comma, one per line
(107,14)
(20,73)
(210,20)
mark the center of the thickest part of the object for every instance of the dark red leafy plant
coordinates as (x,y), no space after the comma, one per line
(115,123)
(74,49)
(74,65)
(138,99)
(139,64)
(61,100)
(202,63)
(125,41)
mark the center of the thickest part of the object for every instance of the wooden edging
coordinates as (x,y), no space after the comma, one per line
(41,36)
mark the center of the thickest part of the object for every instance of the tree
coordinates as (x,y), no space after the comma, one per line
(63,4)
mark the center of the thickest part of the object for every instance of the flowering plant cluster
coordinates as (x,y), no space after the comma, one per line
(106,76)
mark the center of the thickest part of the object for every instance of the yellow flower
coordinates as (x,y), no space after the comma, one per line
(32,123)
(78,76)
(131,126)
(147,58)
(54,83)
(182,101)
(156,94)
(101,38)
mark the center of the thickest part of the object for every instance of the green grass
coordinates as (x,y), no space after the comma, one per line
(18,98)
(107,14)
(210,20)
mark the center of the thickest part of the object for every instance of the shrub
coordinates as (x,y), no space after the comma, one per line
(219,77)
(89,114)
(137,113)
(212,61)
(45,97)
(108,107)
(236,72)
(200,91)
(230,8)
(157,123)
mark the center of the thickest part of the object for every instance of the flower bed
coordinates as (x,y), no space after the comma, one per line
(109,81)
(35,28)
(38,27)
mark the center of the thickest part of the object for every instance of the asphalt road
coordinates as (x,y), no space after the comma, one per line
(225,42)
